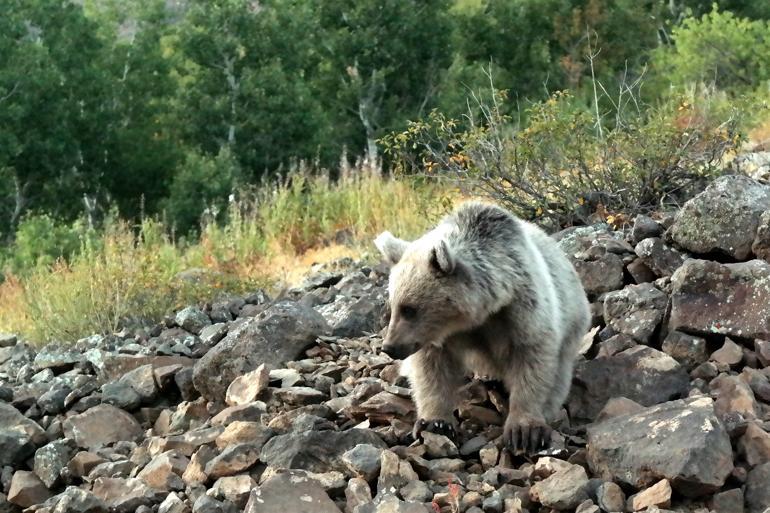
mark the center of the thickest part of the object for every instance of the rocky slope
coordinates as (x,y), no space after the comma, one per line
(259,405)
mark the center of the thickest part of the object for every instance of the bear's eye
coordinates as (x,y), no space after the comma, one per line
(408,312)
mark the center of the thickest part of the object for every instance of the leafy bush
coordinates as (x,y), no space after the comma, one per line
(564,167)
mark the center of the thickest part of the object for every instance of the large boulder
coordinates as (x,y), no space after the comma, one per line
(723,218)
(19,436)
(731,299)
(316,451)
(682,441)
(277,335)
(642,374)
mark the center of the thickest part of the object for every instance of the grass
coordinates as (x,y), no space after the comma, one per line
(132,273)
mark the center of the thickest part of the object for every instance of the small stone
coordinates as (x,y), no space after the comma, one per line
(142,380)
(299,396)
(729,354)
(212,334)
(754,445)
(658,495)
(232,460)
(688,350)
(51,459)
(547,466)
(195,472)
(235,489)
(246,388)
(438,446)
(240,432)
(610,497)
(164,471)
(363,460)
(173,504)
(357,494)
(121,395)
(732,394)
(660,257)
(489,456)
(249,412)
(416,491)
(27,489)
(729,501)
(645,227)
(76,500)
(83,463)
(618,406)
(565,489)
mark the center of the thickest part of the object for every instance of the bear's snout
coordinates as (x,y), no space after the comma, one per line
(400,351)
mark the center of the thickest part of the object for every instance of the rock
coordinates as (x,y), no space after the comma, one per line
(173,504)
(636,449)
(51,459)
(277,335)
(645,227)
(723,218)
(351,317)
(240,432)
(637,310)
(111,367)
(142,380)
(662,259)
(233,460)
(83,463)
(317,451)
(489,455)
(618,406)
(192,319)
(363,460)
(27,489)
(235,489)
(610,497)
(761,245)
(246,388)
(602,275)
(730,299)
(688,350)
(762,349)
(77,500)
(649,377)
(658,495)
(121,395)
(289,494)
(206,504)
(438,446)
(195,472)
(7,340)
(564,489)
(212,334)
(249,412)
(754,445)
(357,493)
(757,490)
(124,495)
(729,501)
(299,396)
(729,354)
(18,437)
(732,394)
(164,471)
(102,425)
(640,272)
(56,357)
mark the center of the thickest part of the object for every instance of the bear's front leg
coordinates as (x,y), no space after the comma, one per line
(529,382)
(436,376)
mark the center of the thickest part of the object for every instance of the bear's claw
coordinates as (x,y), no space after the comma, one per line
(528,437)
(437,426)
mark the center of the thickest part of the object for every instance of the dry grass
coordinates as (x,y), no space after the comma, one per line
(131,273)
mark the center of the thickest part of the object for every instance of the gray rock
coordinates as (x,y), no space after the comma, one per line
(637,310)
(363,460)
(102,425)
(211,335)
(723,218)
(689,350)
(757,489)
(610,497)
(52,401)
(173,504)
(761,245)
(277,335)
(645,227)
(730,299)
(317,451)
(19,436)
(351,317)
(602,275)
(77,500)
(206,504)
(192,319)
(392,504)
(56,357)
(142,379)
(637,449)
(565,489)
(290,494)
(51,459)
(121,395)
(125,495)
(233,460)
(648,377)
(7,340)
(662,259)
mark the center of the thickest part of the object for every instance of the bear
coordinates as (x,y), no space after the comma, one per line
(485,292)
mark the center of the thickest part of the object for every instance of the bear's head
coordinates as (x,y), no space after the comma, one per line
(427,292)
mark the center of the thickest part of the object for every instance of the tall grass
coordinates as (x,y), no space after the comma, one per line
(129,273)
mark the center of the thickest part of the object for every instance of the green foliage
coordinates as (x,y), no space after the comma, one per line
(719,49)
(562,167)
(202,184)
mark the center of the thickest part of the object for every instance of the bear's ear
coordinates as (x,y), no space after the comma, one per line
(392,248)
(441,258)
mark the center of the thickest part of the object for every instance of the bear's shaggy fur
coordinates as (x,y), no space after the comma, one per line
(488,293)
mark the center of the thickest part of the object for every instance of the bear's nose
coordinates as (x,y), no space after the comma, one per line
(399,352)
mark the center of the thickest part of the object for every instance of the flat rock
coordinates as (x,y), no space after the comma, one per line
(730,299)
(637,310)
(658,495)
(563,490)
(232,460)
(102,425)
(239,432)
(125,495)
(27,489)
(637,449)
(288,493)
(317,451)
(19,436)
(649,377)
(277,335)
(723,218)
(246,388)
(602,275)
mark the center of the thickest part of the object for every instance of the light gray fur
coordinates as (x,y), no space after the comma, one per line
(493,295)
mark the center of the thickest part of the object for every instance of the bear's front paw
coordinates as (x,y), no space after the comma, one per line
(526,434)
(437,426)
